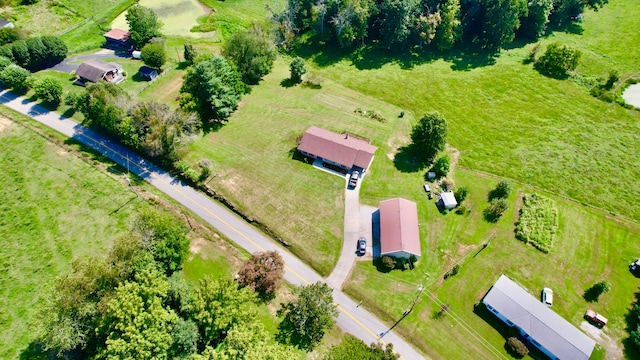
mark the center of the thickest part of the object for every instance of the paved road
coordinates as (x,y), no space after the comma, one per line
(352,319)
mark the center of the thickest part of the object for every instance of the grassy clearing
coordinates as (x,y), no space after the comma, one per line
(253,152)
(45,17)
(589,246)
(233,15)
(509,120)
(45,192)
(165,90)
(538,222)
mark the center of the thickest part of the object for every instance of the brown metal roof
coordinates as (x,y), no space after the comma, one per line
(117,34)
(399,227)
(94,70)
(339,148)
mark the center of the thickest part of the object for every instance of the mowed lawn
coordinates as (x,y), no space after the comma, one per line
(509,120)
(53,208)
(233,15)
(590,246)
(252,156)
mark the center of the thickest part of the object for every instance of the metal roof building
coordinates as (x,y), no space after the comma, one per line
(399,232)
(540,325)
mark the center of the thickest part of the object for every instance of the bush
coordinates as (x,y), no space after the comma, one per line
(4,62)
(388,263)
(517,347)
(461,210)
(441,166)
(453,272)
(71,98)
(496,208)
(461,194)
(502,190)
(614,76)
(558,60)
(48,90)
(192,175)
(15,77)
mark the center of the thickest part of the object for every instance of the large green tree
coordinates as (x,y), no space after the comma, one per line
(429,134)
(535,23)
(558,60)
(212,88)
(136,324)
(396,21)
(143,25)
(217,305)
(305,319)
(448,31)
(15,77)
(252,51)
(500,22)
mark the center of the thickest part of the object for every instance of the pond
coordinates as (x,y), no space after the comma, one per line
(178,16)
(631,95)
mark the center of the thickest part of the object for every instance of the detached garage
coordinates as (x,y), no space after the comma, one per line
(399,232)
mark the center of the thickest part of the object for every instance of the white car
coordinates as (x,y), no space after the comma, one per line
(353,181)
(547,296)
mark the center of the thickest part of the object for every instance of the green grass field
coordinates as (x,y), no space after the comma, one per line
(233,15)
(589,246)
(54,207)
(509,120)
(45,17)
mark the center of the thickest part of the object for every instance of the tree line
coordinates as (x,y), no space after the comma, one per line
(400,24)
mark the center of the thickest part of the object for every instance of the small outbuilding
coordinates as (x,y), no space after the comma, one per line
(6,24)
(148,73)
(117,38)
(448,200)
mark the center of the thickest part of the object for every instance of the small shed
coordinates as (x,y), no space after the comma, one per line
(448,200)
(431,175)
(148,73)
(6,24)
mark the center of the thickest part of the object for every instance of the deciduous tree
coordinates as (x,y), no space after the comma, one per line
(297,69)
(558,60)
(153,55)
(262,273)
(143,25)
(429,135)
(305,319)
(353,348)
(190,53)
(15,77)
(48,89)
(252,51)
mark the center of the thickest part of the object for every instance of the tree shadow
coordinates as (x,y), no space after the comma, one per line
(592,294)
(554,75)
(631,349)
(409,160)
(35,351)
(287,83)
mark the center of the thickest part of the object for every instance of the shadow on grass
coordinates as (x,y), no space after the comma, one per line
(409,160)
(35,351)
(296,155)
(287,83)
(632,349)
(592,294)
(368,57)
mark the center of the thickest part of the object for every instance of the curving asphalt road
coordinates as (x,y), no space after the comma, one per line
(352,318)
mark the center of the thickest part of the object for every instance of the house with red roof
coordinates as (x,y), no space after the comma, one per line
(343,150)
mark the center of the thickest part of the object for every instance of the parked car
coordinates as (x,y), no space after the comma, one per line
(427,188)
(362,246)
(595,318)
(547,296)
(635,266)
(353,181)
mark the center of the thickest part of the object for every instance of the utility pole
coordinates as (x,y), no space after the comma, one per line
(128,179)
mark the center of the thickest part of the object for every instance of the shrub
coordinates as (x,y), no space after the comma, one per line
(461,194)
(48,90)
(461,209)
(71,98)
(192,175)
(558,60)
(496,208)
(538,222)
(614,76)
(388,263)
(205,172)
(153,55)
(517,347)
(15,77)
(453,272)
(502,190)
(182,166)
(190,53)
(441,165)
(4,62)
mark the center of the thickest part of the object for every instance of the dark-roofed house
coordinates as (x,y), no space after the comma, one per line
(347,152)
(6,24)
(399,233)
(117,38)
(96,70)
(537,323)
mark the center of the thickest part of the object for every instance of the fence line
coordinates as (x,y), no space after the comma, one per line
(163,73)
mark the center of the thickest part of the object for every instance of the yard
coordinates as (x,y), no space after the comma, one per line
(589,246)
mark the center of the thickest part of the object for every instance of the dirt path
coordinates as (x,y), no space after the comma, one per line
(613,352)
